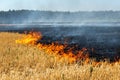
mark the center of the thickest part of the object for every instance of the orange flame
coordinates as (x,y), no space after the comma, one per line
(30,38)
(57,49)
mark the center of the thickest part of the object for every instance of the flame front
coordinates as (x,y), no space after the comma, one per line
(54,48)
(30,38)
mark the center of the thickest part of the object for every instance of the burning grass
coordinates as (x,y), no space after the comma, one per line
(59,50)
(41,61)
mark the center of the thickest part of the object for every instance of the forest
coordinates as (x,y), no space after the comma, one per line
(31,16)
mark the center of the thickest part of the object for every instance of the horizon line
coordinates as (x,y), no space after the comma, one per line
(59,10)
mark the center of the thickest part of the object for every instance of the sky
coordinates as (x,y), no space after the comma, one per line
(61,5)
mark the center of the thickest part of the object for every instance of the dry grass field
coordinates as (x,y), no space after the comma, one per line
(27,62)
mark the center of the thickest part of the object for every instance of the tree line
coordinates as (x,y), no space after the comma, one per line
(25,16)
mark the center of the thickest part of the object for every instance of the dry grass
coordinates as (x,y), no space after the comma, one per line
(26,62)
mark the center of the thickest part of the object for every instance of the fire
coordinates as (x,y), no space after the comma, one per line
(30,38)
(54,48)
(58,50)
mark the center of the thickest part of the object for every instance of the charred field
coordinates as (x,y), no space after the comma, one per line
(102,42)
(48,56)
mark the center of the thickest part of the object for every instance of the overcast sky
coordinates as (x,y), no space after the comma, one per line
(61,5)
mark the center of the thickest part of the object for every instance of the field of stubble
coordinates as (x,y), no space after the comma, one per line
(26,62)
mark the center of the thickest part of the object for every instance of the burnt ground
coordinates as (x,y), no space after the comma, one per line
(103,39)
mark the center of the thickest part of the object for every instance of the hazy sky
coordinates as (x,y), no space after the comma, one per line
(61,5)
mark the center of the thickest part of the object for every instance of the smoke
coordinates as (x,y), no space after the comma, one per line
(95,25)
